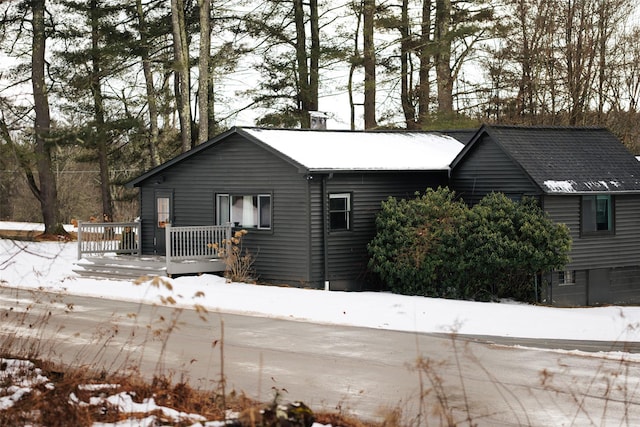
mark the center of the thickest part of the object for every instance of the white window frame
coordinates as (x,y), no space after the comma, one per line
(566,277)
(346,212)
(244,214)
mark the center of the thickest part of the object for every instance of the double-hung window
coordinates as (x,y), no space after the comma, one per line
(339,211)
(597,214)
(247,211)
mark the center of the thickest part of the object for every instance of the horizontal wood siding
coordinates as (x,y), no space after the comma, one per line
(147,216)
(625,285)
(487,168)
(591,252)
(569,295)
(237,166)
(347,250)
(619,253)
(316,232)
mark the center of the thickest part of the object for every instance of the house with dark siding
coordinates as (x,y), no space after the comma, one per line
(308,198)
(582,177)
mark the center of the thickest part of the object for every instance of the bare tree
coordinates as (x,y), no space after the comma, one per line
(610,42)
(562,54)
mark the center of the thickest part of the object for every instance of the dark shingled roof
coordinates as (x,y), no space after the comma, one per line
(564,160)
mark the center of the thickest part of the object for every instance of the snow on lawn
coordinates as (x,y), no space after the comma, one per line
(48,265)
(21,377)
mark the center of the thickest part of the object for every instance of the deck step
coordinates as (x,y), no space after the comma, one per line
(120,267)
(97,273)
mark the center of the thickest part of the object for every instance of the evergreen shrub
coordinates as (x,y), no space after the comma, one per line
(506,245)
(415,242)
(434,245)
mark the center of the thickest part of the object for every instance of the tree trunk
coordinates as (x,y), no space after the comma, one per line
(581,55)
(354,63)
(424,88)
(443,57)
(314,60)
(406,85)
(47,194)
(304,95)
(182,86)
(369,62)
(525,86)
(203,70)
(151,93)
(99,114)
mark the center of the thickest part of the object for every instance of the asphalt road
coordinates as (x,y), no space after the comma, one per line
(366,372)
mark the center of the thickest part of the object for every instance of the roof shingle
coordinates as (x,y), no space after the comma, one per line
(570,160)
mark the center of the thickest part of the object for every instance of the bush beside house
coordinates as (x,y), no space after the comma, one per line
(434,245)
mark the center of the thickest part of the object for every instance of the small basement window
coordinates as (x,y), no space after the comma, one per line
(566,277)
(339,211)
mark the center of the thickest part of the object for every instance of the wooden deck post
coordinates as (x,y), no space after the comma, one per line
(168,245)
(79,238)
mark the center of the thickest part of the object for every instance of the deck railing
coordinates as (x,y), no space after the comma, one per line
(96,238)
(188,249)
(196,242)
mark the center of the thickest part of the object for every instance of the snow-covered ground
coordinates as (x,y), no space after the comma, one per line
(49,266)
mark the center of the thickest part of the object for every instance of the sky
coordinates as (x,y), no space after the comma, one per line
(49,266)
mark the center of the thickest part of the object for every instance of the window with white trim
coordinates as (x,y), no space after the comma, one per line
(247,211)
(339,211)
(163,211)
(566,277)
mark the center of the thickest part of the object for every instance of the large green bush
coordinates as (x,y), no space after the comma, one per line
(433,245)
(412,248)
(506,244)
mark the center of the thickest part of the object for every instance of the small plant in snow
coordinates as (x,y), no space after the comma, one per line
(238,261)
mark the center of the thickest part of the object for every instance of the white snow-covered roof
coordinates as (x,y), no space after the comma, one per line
(344,150)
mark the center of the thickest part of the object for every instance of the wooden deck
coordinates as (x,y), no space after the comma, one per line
(134,267)
(111,250)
